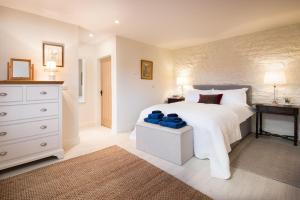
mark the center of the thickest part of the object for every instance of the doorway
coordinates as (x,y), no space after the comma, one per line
(105,92)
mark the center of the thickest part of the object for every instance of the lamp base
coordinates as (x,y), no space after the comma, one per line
(274,102)
(51,77)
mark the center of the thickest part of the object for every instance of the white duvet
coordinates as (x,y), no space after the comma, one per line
(215,127)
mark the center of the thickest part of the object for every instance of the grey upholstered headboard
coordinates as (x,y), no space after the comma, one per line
(228,87)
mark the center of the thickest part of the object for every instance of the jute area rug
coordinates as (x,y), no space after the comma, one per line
(270,157)
(111,173)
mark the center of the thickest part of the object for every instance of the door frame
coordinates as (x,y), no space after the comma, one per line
(98,107)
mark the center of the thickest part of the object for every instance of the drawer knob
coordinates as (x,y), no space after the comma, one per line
(43,110)
(43,92)
(3,133)
(3,153)
(2,114)
(3,94)
(43,144)
(43,127)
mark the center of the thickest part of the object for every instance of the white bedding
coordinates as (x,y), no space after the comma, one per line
(215,128)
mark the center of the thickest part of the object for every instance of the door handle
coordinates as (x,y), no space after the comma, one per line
(101,92)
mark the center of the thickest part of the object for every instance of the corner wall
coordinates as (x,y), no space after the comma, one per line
(22,35)
(135,94)
(87,112)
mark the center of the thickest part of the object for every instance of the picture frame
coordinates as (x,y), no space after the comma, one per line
(146,70)
(53,52)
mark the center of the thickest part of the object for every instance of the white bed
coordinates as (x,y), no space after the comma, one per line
(215,128)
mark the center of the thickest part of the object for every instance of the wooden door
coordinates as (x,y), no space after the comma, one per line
(105,92)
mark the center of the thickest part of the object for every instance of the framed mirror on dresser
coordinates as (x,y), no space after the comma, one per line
(20,69)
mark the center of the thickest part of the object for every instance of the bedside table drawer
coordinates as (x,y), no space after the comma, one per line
(174,100)
(277,110)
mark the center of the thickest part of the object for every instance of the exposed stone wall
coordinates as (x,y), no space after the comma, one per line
(244,60)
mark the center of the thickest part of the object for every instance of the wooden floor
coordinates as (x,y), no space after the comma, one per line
(242,185)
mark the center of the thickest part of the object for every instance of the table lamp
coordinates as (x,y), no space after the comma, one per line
(51,68)
(182,81)
(275,78)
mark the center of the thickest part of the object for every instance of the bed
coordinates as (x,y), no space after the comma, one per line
(244,126)
(216,128)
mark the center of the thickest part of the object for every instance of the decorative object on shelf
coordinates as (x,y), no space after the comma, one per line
(146,69)
(182,81)
(275,78)
(53,52)
(20,69)
(51,69)
(287,100)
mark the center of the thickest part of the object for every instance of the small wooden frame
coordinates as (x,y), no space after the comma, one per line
(146,69)
(13,73)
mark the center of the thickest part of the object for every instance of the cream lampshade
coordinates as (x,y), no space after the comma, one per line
(275,78)
(182,81)
(51,68)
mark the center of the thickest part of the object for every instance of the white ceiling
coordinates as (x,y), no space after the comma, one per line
(167,23)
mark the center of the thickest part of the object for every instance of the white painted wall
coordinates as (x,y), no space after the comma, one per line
(244,60)
(21,36)
(87,112)
(133,93)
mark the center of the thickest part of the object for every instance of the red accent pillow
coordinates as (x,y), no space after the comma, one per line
(210,99)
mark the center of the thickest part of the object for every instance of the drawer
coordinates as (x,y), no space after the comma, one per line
(277,110)
(17,150)
(11,94)
(22,130)
(38,93)
(17,112)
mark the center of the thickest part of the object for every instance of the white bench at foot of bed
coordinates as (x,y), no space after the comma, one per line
(174,145)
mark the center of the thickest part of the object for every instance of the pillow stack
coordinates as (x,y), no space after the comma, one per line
(233,97)
(223,97)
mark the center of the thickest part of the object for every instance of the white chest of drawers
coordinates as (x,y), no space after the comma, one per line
(30,121)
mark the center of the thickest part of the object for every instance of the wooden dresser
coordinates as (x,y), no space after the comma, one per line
(30,121)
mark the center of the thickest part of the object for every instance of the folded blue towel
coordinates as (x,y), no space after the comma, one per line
(173,124)
(172,115)
(156,116)
(156,111)
(171,119)
(152,121)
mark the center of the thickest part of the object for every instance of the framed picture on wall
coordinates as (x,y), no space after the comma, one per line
(53,52)
(146,69)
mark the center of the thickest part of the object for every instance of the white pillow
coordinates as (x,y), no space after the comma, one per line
(233,97)
(193,95)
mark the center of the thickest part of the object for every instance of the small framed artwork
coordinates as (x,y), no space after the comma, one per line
(53,52)
(146,69)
